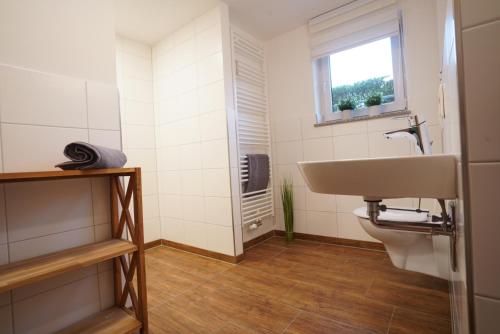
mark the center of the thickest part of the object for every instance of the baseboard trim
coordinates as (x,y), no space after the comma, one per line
(252,242)
(335,241)
(152,244)
(203,252)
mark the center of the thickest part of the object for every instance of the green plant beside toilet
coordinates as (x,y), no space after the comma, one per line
(287,199)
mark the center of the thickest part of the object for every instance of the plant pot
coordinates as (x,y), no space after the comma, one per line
(289,236)
(374,110)
(347,114)
(337,115)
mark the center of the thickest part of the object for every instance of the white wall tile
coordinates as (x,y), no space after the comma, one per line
(192,182)
(173,229)
(484,197)
(150,206)
(136,67)
(379,146)
(477,12)
(32,313)
(171,206)
(482,105)
(195,234)
(144,158)
(208,42)
(214,154)
(103,106)
(152,228)
(351,146)
(139,90)
(318,149)
(350,128)
(210,69)
(106,292)
(286,129)
(218,211)
(35,148)
(191,157)
(139,136)
(149,183)
(193,209)
(187,104)
(213,125)
(137,112)
(169,182)
(321,223)
(107,138)
(211,97)
(320,202)
(184,34)
(53,100)
(51,243)
(100,201)
(31,213)
(348,204)
(216,182)
(487,311)
(310,131)
(288,152)
(169,158)
(34,289)
(220,239)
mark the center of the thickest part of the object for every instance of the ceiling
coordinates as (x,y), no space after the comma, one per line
(267,19)
(149,21)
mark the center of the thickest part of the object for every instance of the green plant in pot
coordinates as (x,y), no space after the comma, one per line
(372,102)
(347,106)
(287,199)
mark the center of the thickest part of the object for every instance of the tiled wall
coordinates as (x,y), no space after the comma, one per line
(135,82)
(295,138)
(43,217)
(481,61)
(192,136)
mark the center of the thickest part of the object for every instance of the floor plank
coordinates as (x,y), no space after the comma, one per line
(300,287)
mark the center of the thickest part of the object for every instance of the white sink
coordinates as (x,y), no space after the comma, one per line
(427,176)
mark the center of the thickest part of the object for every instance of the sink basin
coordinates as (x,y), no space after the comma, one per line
(427,176)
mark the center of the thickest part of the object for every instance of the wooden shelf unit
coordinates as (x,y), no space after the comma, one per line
(128,256)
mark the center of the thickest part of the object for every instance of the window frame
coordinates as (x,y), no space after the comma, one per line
(323,86)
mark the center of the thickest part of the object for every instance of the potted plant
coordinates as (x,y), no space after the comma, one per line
(347,106)
(372,102)
(287,199)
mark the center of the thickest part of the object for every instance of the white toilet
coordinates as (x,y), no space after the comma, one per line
(413,251)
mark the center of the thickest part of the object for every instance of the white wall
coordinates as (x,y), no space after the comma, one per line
(451,145)
(62,89)
(480,28)
(295,138)
(69,37)
(192,136)
(135,82)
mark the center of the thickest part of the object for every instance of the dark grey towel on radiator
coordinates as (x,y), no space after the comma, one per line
(258,172)
(87,156)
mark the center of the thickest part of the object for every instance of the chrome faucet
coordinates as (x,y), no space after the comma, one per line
(417,133)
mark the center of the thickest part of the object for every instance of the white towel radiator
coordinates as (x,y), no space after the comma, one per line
(252,121)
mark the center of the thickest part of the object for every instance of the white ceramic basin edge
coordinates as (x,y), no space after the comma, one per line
(428,176)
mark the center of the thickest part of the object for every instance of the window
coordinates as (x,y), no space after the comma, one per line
(357,62)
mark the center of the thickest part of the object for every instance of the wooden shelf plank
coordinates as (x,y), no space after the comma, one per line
(64,174)
(20,273)
(113,320)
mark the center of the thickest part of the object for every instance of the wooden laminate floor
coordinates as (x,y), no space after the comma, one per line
(306,287)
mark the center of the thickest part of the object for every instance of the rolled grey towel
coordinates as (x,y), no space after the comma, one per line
(258,172)
(87,156)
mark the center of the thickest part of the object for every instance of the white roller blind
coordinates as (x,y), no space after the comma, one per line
(356,23)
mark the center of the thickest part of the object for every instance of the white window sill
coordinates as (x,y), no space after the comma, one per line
(364,117)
